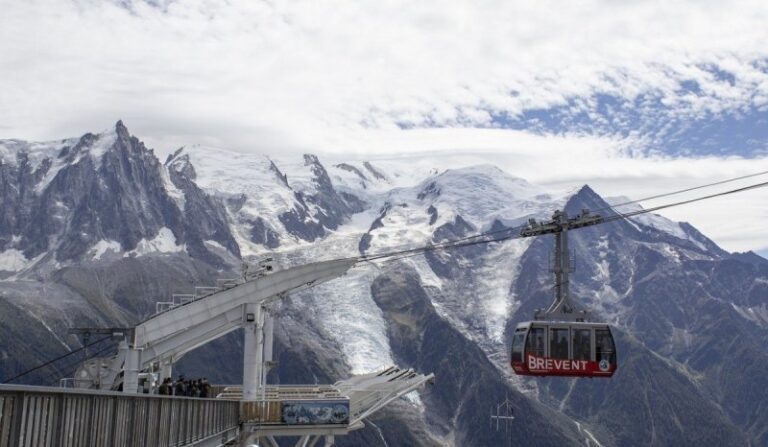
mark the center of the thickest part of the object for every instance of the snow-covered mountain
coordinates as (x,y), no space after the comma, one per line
(95,230)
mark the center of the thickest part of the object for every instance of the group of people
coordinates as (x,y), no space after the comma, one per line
(185,387)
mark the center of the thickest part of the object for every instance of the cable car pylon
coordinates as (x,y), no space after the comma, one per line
(560,341)
(562,308)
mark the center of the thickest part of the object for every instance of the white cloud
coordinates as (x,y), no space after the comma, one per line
(230,70)
(338,77)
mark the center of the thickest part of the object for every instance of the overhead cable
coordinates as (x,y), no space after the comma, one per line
(680,191)
(483,238)
(43,365)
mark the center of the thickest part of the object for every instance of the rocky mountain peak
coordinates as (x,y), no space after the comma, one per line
(319,173)
(180,163)
(311,159)
(121,130)
(107,192)
(586,197)
(281,177)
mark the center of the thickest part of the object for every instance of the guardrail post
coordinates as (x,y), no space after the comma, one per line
(146,406)
(89,421)
(20,419)
(58,427)
(159,420)
(132,421)
(113,422)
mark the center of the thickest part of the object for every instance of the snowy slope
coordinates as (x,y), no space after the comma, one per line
(479,195)
(36,152)
(50,157)
(654,221)
(479,300)
(250,180)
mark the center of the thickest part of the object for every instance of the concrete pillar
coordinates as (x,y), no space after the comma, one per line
(329,441)
(253,351)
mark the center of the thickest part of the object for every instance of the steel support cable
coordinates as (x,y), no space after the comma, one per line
(55,360)
(374,256)
(95,354)
(461,242)
(680,191)
(390,257)
(485,241)
(450,244)
(620,216)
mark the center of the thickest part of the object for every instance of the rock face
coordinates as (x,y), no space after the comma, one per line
(321,206)
(205,216)
(95,230)
(107,187)
(468,382)
(622,270)
(663,294)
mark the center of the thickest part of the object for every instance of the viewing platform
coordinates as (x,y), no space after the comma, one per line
(255,413)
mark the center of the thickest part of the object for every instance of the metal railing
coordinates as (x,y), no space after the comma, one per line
(262,268)
(55,417)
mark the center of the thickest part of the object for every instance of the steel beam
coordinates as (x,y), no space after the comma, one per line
(131,370)
(259,290)
(192,337)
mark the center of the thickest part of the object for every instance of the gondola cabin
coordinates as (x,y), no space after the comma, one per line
(558,348)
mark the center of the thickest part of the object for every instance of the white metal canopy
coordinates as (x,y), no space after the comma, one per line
(170,334)
(193,324)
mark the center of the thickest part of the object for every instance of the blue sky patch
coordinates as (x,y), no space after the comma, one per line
(658,128)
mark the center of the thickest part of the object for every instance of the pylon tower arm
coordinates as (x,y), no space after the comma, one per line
(561,308)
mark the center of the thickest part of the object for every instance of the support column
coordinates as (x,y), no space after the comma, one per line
(131,370)
(166,369)
(253,350)
(269,338)
(329,441)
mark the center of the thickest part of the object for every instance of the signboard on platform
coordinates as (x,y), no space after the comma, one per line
(314,412)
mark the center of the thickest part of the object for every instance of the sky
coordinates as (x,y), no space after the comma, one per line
(632,97)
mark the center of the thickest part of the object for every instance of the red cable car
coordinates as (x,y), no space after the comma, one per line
(559,348)
(559,342)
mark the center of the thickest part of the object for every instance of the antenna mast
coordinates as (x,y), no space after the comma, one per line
(503,414)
